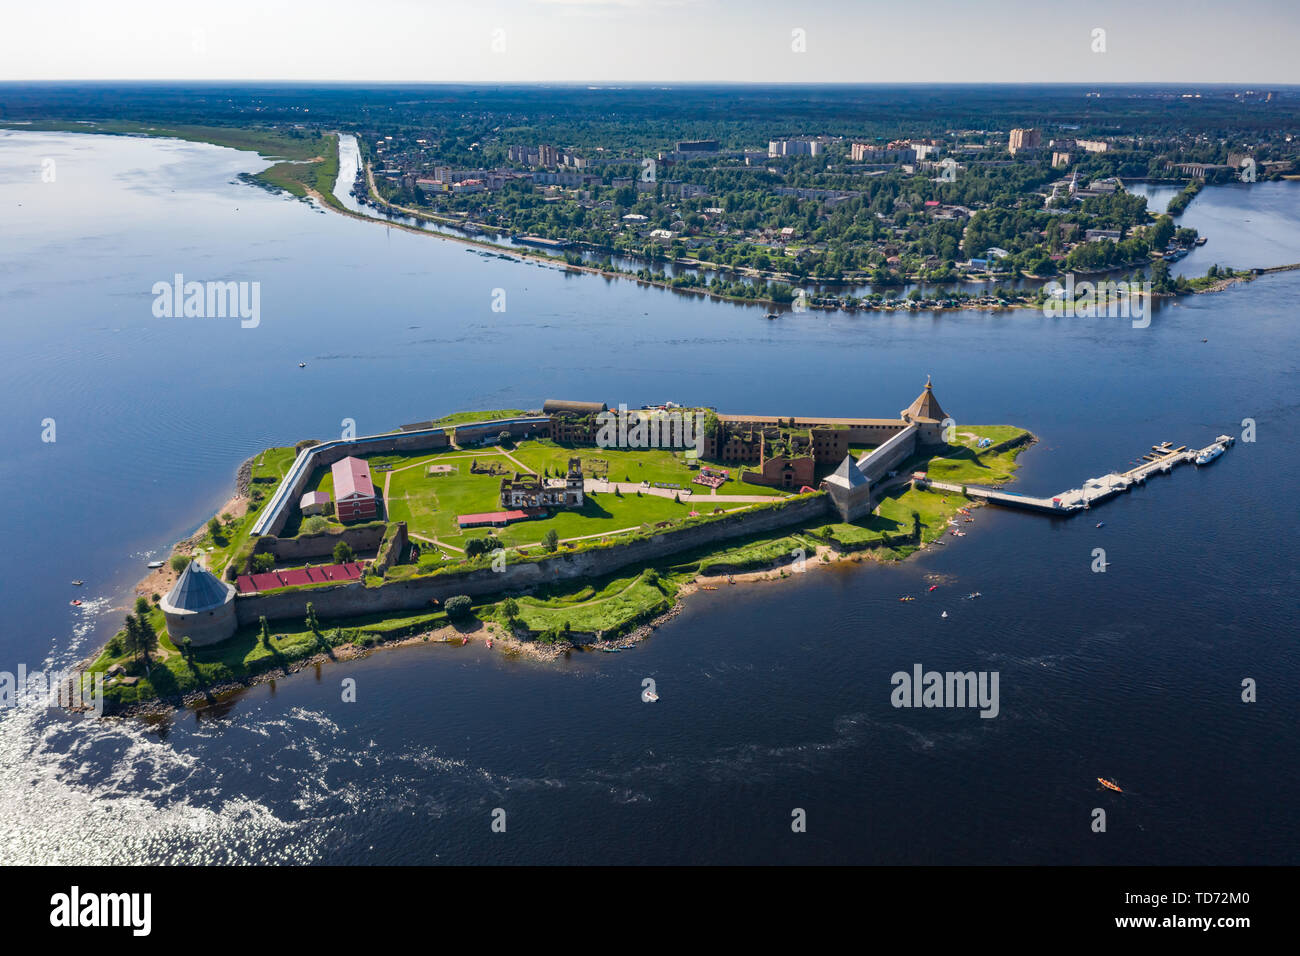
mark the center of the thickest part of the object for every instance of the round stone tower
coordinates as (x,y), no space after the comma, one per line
(199,606)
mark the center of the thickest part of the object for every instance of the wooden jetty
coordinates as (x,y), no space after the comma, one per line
(1161,459)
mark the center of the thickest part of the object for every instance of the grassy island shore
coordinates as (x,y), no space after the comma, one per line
(423,491)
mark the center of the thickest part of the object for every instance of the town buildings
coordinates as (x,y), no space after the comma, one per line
(1024,139)
(794,147)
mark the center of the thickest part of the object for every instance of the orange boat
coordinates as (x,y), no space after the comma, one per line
(1109,784)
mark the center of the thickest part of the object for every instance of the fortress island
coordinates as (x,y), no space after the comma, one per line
(576,526)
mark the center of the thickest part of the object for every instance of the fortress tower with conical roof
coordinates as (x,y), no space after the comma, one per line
(852,486)
(927,414)
(199,606)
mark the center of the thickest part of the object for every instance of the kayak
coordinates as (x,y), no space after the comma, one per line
(933,586)
(1109,785)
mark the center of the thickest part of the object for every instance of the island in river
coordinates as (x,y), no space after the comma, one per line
(575,527)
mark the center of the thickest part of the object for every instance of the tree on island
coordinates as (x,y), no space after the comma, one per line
(131,637)
(141,639)
(510,608)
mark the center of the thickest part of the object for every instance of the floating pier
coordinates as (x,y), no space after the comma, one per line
(1161,459)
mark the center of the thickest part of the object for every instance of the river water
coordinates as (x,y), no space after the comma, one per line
(773,696)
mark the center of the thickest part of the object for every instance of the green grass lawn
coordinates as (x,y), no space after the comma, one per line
(318,174)
(757,554)
(244,655)
(894,518)
(650,464)
(964,463)
(618,602)
(430,506)
(463,418)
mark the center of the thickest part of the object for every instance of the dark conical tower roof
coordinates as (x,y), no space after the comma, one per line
(197,590)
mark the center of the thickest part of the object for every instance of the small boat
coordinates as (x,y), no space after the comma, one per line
(611,650)
(1109,784)
(708,587)
(302,364)
(934,587)
(489,642)
(972,595)
(1202,240)
(944,614)
(75,603)
(1211,453)
(154,565)
(78,583)
(1101,524)
(908,598)
(771,315)
(650,696)
(1205,340)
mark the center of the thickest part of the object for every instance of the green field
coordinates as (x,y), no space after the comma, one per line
(964,463)
(430,506)
(464,418)
(650,464)
(319,174)
(244,655)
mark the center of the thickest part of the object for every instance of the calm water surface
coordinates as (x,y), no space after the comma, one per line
(772,696)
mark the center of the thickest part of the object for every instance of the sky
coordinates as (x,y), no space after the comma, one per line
(653,41)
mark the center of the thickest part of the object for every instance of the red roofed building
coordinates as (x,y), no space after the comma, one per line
(494,518)
(247,583)
(354,492)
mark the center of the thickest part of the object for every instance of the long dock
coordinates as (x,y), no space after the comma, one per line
(1161,459)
